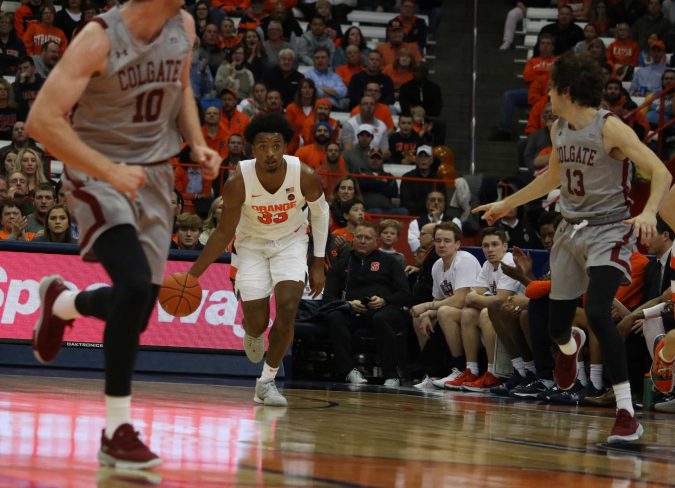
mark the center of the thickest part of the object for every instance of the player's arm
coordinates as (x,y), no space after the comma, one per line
(48,119)
(540,186)
(233,198)
(319,216)
(480,301)
(618,135)
(456,300)
(188,118)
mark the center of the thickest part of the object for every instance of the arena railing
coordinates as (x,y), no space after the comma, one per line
(662,125)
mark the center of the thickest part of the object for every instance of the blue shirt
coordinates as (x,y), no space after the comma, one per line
(647,79)
(329,79)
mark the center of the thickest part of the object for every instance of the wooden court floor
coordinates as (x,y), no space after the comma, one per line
(217,436)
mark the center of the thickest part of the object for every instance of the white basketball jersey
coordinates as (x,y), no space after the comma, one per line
(272,216)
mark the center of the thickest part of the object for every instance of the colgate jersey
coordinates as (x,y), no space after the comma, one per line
(272,216)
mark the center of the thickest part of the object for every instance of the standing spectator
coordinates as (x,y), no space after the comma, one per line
(254,16)
(45,62)
(389,50)
(379,278)
(254,105)
(13,222)
(256,57)
(351,37)
(11,47)
(40,32)
(58,226)
(357,156)
(27,13)
(390,231)
(352,66)
(228,166)
(434,213)
(648,78)
(68,18)
(372,74)
(652,22)
(231,120)
(314,38)
(382,111)
(43,201)
(421,91)
(404,142)
(366,116)
(214,134)
(414,27)
(566,33)
(379,192)
(201,79)
(315,154)
(328,84)
(235,75)
(274,42)
(321,114)
(228,37)
(284,77)
(8,112)
(623,53)
(188,229)
(209,48)
(413,193)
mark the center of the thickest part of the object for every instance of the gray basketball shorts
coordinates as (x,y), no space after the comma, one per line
(574,253)
(97,207)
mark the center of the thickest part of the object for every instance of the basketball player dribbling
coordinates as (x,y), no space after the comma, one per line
(264,208)
(591,164)
(124,83)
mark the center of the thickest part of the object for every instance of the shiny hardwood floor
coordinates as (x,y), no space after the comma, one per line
(217,436)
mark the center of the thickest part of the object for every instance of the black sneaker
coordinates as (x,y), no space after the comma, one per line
(530,390)
(505,388)
(573,396)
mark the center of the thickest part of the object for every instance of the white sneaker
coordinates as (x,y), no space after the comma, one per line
(254,347)
(356,378)
(505,46)
(266,393)
(425,383)
(392,383)
(440,383)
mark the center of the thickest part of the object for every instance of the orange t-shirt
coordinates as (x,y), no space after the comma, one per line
(296,115)
(231,5)
(234,125)
(343,232)
(307,132)
(219,142)
(623,52)
(312,155)
(389,52)
(382,112)
(346,72)
(399,77)
(5,235)
(329,181)
(38,34)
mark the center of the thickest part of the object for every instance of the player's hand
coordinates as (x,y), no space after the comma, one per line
(626,325)
(340,243)
(317,277)
(208,159)
(493,211)
(522,260)
(419,309)
(127,179)
(644,225)
(411,270)
(19,226)
(425,326)
(376,302)
(357,306)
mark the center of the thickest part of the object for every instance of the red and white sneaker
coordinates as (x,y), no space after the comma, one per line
(126,451)
(662,372)
(456,384)
(565,372)
(626,428)
(49,329)
(484,383)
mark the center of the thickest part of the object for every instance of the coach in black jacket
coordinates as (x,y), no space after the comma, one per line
(375,286)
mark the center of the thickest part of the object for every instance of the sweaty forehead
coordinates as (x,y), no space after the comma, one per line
(268,137)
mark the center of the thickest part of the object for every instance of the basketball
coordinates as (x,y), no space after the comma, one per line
(180,294)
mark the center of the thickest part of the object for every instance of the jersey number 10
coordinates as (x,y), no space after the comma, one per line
(148,106)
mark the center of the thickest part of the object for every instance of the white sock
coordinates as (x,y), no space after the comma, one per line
(519,365)
(473,367)
(117,412)
(596,376)
(529,366)
(623,398)
(491,368)
(569,348)
(64,306)
(581,373)
(268,373)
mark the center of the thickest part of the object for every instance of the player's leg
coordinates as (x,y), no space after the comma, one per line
(449,321)
(256,319)
(488,379)
(471,342)
(387,323)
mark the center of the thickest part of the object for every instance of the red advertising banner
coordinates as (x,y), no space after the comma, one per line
(216,324)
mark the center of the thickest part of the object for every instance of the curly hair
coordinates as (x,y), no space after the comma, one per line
(271,123)
(581,76)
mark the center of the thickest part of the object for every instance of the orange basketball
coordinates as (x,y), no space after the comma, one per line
(180,294)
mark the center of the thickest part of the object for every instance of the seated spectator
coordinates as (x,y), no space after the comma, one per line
(375,295)
(69,17)
(29,162)
(20,140)
(357,157)
(328,84)
(315,154)
(617,99)
(414,27)
(189,180)
(333,27)
(275,42)
(453,274)
(11,47)
(434,214)
(232,121)
(273,102)
(421,91)
(414,193)
(25,15)
(43,201)
(58,226)
(566,33)
(321,113)
(256,56)
(254,16)
(8,162)
(366,116)
(214,135)
(403,143)
(389,50)
(18,190)
(13,222)
(188,230)
(302,106)
(235,76)
(8,112)
(402,71)
(335,164)
(354,211)
(89,11)
(382,111)
(372,74)
(201,79)
(353,64)
(648,79)
(654,110)
(209,48)
(44,30)
(538,146)
(26,86)
(284,14)
(623,53)
(390,231)
(284,77)
(590,33)
(422,126)
(314,38)
(519,231)
(378,192)
(596,48)
(345,190)
(652,22)
(235,153)
(351,37)
(254,105)
(228,37)
(212,220)
(233,8)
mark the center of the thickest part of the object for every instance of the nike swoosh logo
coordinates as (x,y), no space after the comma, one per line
(256,196)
